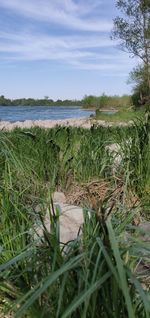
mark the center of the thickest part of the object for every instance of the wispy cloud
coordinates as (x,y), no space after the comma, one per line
(82,52)
(67,12)
(91,49)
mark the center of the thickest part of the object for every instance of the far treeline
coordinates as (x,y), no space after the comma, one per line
(90,101)
(46,101)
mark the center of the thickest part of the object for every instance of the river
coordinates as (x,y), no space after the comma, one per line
(21,113)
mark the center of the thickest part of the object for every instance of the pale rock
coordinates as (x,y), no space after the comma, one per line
(144,229)
(70,221)
(114,150)
(59,197)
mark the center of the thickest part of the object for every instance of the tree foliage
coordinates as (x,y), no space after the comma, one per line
(132,28)
(141,89)
(37,102)
(104,100)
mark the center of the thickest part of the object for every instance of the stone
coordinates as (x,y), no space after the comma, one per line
(70,221)
(58,197)
(144,229)
(115,151)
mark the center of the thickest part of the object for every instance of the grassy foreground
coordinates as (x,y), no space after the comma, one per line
(104,271)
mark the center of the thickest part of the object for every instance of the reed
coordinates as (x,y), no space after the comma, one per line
(94,275)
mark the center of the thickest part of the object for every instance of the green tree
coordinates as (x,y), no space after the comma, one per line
(4,101)
(91,101)
(141,88)
(133,29)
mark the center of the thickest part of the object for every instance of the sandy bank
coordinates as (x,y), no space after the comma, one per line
(84,122)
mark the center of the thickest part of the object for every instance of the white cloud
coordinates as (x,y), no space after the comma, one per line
(84,51)
(67,42)
(66,12)
(81,52)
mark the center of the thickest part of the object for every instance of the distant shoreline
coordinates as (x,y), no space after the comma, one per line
(84,122)
(46,105)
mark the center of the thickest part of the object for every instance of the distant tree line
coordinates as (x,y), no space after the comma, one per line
(37,102)
(90,101)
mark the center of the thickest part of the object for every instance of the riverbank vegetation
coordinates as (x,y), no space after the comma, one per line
(105,270)
(87,102)
(125,115)
(106,101)
(115,102)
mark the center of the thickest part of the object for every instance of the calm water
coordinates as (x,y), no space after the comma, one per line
(21,113)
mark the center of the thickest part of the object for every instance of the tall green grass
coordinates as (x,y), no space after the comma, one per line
(94,275)
(135,152)
(55,155)
(94,278)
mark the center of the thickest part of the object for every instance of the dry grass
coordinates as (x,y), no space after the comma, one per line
(88,194)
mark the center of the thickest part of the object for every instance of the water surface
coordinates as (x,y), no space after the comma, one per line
(21,113)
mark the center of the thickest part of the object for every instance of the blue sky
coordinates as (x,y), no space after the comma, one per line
(60,48)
